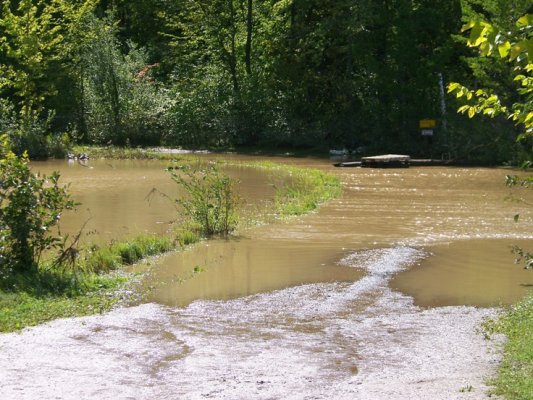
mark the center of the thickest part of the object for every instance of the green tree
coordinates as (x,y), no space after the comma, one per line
(37,42)
(34,41)
(517,48)
(120,101)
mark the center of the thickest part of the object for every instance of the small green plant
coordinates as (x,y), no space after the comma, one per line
(30,206)
(210,200)
(186,237)
(467,389)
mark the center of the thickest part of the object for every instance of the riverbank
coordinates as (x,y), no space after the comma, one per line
(378,208)
(99,282)
(95,285)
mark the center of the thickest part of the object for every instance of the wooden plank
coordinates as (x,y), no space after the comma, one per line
(386,161)
(348,164)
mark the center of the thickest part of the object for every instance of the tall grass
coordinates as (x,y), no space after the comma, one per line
(128,252)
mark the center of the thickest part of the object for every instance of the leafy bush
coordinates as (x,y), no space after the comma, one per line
(30,132)
(30,206)
(211,200)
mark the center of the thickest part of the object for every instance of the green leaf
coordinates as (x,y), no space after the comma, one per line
(467,26)
(525,21)
(475,34)
(453,86)
(503,49)
(516,50)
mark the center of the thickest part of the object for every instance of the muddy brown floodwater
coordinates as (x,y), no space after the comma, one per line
(378,295)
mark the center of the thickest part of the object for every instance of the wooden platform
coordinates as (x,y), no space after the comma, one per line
(386,161)
(377,162)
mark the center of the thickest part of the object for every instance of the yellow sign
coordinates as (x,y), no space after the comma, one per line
(428,123)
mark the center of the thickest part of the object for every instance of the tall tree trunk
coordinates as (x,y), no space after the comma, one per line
(233,56)
(249,29)
(115,100)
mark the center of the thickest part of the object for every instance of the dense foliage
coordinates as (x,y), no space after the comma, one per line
(337,74)
(30,206)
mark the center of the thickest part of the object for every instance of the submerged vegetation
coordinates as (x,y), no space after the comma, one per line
(305,191)
(300,190)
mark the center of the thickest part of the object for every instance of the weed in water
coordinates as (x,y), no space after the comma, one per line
(211,201)
(186,237)
(109,258)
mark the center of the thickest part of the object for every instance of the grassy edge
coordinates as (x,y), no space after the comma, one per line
(97,286)
(515,375)
(97,293)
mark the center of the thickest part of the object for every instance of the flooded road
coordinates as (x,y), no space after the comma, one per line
(372,297)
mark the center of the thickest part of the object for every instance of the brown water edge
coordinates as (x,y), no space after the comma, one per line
(116,200)
(346,341)
(340,340)
(227,269)
(467,272)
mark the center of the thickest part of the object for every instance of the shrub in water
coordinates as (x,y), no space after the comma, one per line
(211,200)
